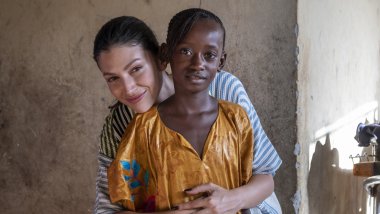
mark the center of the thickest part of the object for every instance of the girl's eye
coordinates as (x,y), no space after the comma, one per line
(210,55)
(186,51)
(112,79)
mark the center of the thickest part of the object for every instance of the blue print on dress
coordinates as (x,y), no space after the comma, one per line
(146,178)
(133,178)
(126,165)
(136,168)
(137,179)
(134,184)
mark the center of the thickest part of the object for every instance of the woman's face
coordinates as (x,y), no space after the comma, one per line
(132,74)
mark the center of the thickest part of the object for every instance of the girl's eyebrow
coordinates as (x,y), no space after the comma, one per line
(190,43)
(212,46)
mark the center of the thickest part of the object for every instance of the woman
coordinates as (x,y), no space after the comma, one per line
(127,53)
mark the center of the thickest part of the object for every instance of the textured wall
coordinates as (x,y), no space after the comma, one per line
(338,83)
(53,99)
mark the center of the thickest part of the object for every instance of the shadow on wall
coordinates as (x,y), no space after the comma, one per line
(330,188)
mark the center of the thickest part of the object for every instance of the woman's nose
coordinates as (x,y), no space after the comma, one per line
(129,84)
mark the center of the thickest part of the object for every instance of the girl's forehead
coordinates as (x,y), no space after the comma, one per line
(207,22)
(204,25)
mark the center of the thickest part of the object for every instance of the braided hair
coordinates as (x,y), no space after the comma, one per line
(181,24)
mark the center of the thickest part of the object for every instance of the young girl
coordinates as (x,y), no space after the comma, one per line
(190,138)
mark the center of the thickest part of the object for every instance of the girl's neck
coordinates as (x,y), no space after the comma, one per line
(194,104)
(167,88)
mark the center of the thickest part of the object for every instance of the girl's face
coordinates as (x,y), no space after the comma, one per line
(197,58)
(132,74)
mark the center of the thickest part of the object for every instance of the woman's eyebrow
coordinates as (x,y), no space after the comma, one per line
(125,67)
(130,63)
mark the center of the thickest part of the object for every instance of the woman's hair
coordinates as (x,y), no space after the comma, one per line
(181,24)
(125,30)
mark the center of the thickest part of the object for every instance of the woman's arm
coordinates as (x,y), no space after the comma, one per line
(163,212)
(102,202)
(113,129)
(228,87)
(221,200)
(266,160)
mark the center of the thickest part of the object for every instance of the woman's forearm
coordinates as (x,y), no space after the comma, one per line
(254,192)
(161,212)
(220,200)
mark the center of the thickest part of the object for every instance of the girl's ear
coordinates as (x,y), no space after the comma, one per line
(162,55)
(163,52)
(223,59)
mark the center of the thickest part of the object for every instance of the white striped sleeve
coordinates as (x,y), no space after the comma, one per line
(103,204)
(266,160)
(113,130)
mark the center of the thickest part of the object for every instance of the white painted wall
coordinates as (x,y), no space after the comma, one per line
(338,87)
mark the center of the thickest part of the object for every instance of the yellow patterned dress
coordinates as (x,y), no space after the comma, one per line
(154,164)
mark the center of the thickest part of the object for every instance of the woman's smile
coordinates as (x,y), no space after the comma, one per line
(136,99)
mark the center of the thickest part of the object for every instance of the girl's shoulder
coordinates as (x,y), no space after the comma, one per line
(235,114)
(231,108)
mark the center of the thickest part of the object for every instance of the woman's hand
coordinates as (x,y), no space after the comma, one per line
(215,200)
(163,212)
(219,200)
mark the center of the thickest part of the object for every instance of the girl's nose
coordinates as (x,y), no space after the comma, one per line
(197,62)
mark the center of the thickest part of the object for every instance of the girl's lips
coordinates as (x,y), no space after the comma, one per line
(196,78)
(136,99)
(197,75)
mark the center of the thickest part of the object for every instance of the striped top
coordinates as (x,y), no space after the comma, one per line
(226,87)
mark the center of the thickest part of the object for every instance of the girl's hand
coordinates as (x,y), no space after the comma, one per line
(215,200)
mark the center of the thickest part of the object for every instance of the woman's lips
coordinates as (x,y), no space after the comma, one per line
(136,99)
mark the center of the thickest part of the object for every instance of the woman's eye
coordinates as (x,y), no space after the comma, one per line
(185,51)
(112,79)
(136,69)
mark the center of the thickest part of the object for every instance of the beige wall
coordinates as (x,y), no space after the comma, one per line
(338,87)
(53,99)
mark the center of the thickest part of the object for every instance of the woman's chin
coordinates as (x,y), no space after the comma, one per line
(141,109)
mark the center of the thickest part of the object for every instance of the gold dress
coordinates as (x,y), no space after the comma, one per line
(154,164)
